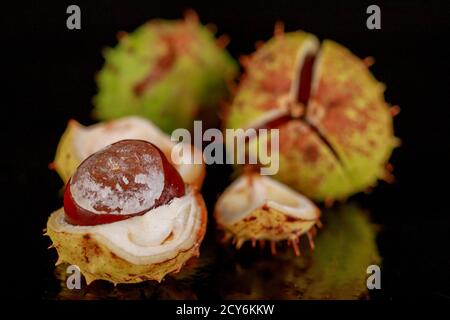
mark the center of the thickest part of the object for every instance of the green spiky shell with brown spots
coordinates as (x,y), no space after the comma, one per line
(171,72)
(97,261)
(341,139)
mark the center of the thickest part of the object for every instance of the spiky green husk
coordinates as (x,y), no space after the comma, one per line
(196,79)
(267,224)
(336,269)
(67,159)
(346,107)
(97,262)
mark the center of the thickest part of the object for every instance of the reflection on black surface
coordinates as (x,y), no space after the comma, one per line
(336,269)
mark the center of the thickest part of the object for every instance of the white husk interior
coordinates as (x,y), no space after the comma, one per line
(251,191)
(311,47)
(144,239)
(267,117)
(88,140)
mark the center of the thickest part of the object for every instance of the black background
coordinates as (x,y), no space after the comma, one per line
(50,79)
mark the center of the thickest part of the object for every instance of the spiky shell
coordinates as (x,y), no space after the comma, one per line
(170,72)
(335,270)
(66,158)
(73,146)
(257,208)
(96,261)
(346,108)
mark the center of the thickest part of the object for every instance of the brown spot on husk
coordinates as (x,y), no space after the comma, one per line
(311,153)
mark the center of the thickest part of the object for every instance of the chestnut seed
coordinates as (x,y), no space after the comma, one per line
(124,179)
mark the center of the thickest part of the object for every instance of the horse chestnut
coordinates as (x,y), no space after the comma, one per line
(122,180)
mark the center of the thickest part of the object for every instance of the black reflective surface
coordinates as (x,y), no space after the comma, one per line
(50,79)
(336,269)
